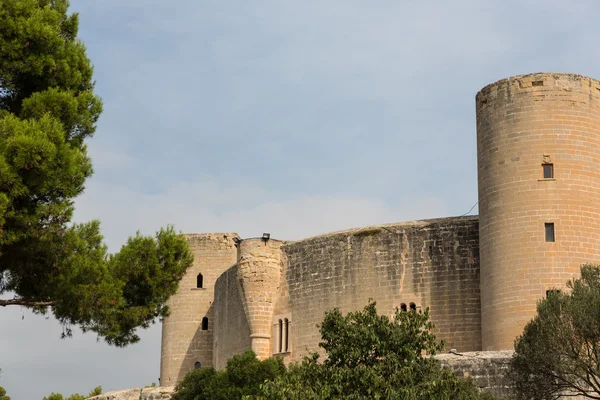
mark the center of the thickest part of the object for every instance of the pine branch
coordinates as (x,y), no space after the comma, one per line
(25,302)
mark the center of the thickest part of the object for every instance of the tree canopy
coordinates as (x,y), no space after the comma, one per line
(367,356)
(48,109)
(370,356)
(559,351)
(241,379)
(3,395)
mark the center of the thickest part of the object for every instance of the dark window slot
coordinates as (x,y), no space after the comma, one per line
(549,230)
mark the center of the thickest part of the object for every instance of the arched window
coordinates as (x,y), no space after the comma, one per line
(413,307)
(197,365)
(199,281)
(205,323)
(280,336)
(286,336)
(403,307)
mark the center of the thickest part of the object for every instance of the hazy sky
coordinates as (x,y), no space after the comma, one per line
(289,117)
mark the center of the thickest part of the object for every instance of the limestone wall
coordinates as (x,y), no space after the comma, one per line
(487,369)
(184,341)
(231,325)
(433,263)
(525,124)
(259,272)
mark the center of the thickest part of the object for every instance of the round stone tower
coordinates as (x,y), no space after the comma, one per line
(187,333)
(259,270)
(538,150)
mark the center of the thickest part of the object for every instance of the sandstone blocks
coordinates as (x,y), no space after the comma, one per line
(538,148)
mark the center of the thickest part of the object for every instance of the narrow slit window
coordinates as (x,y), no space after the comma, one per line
(280,336)
(548,170)
(403,307)
(286,339)
(413,307)
(549,228)
(199,281)
(205,323)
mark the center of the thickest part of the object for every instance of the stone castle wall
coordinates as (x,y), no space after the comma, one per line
(230,319)
(184,341)
(532,234)
(429,263)
(488,369)
(524,123)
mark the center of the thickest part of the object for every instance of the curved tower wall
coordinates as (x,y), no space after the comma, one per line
(524,122)
(259,272)
(184,341)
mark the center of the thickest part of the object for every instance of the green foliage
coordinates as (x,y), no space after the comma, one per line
(559,350)
(3,395)
(47,110)
(76,396)
(372,357)
(368,357)
(241,379)
(95,391)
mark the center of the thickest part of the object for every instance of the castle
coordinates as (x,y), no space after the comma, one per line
(538,150)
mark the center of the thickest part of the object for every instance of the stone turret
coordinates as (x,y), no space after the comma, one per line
(259,270)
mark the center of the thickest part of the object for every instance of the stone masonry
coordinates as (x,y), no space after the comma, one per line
(523,124)
(188,342)
(538,148)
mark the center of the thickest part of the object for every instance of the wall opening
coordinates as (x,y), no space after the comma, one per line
(403,307)
(548,171)
(280,336)
(286,339)
(549,230)
(199,281)
(205,323)
(197,365)
(537,83)
(413,307)
(552,292)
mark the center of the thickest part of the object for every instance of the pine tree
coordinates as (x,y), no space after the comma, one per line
(48,109)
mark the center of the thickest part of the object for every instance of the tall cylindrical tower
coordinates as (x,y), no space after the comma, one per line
(187,333)
(259,270)
(538,150)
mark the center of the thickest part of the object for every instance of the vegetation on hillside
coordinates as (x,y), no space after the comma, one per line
(48,109)
(57,396)
(558,353)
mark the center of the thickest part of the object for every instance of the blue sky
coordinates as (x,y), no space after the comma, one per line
(295,118)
